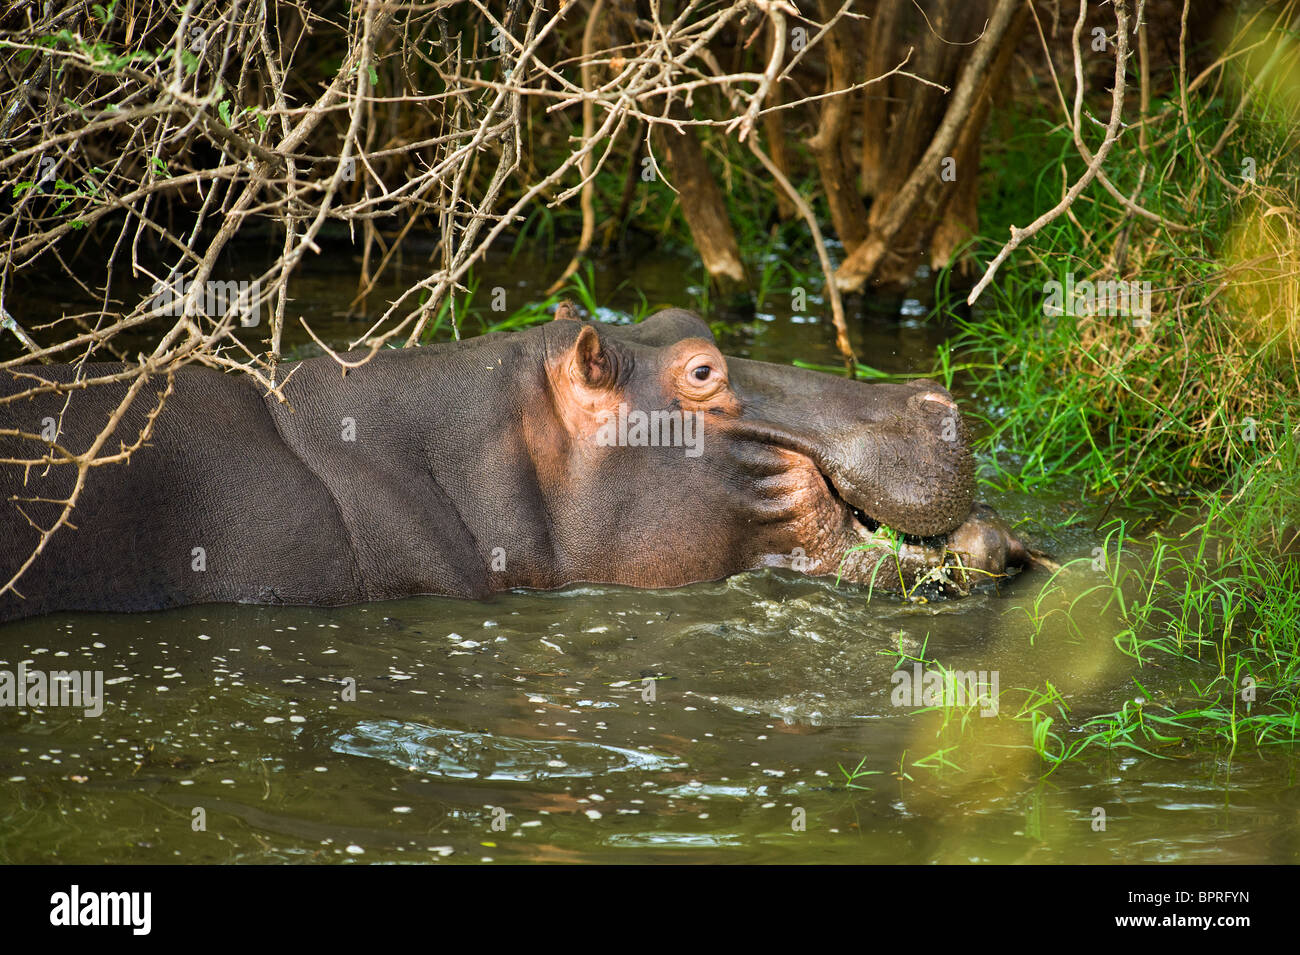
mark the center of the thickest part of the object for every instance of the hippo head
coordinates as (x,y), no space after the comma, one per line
(663,462)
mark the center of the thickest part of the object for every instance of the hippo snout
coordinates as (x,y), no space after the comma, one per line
(909,469)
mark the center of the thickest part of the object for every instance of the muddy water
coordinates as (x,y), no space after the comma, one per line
(707,723)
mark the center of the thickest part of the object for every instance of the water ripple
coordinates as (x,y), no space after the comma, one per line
(460,754)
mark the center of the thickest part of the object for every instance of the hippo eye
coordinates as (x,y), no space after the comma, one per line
(702,375)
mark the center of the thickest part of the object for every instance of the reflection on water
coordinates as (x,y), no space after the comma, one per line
(707,723)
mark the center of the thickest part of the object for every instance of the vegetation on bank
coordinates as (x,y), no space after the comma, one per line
(1181,427)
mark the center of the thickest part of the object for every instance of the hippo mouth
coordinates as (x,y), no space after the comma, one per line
(870,511)
(856,514)
(979,550)
(867,522)
(868,526)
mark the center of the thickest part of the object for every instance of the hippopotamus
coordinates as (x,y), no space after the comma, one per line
(568,452)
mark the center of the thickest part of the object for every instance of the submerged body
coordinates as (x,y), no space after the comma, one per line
(569,452)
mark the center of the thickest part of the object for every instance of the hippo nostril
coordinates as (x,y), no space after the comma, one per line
(940,399)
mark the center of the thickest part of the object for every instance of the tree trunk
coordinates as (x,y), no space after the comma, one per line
(774,130)
(959,215)
(881,57)
(705,212)
(928,179)
(830,145)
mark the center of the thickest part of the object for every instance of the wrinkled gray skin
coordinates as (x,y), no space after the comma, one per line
(477,467)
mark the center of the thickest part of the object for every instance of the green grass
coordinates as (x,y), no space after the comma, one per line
(1180,438)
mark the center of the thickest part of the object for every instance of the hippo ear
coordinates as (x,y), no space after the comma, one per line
(566,311)
(590,363)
